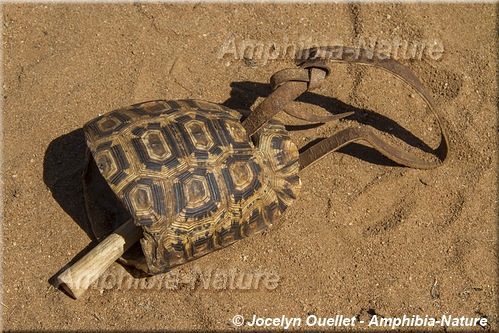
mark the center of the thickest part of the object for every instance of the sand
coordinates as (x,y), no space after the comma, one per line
(366,239)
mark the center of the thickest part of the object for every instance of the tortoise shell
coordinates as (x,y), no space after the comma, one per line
(189,175)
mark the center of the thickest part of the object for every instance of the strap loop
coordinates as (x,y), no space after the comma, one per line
(287,85)
(288,74)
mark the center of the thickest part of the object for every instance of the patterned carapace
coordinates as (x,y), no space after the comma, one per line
(187,172)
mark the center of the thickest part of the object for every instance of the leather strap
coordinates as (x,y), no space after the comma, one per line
(288,84)
(348,135)
(283,94)
(301,114)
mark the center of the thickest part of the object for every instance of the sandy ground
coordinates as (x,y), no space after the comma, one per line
(365,238)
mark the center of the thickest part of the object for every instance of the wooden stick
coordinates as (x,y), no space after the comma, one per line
(78,278)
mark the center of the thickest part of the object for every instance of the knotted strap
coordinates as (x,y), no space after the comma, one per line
(288,84)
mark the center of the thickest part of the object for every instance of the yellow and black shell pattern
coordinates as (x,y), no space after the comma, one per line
(188,174)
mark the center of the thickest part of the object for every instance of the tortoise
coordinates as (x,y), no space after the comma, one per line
(195,176)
